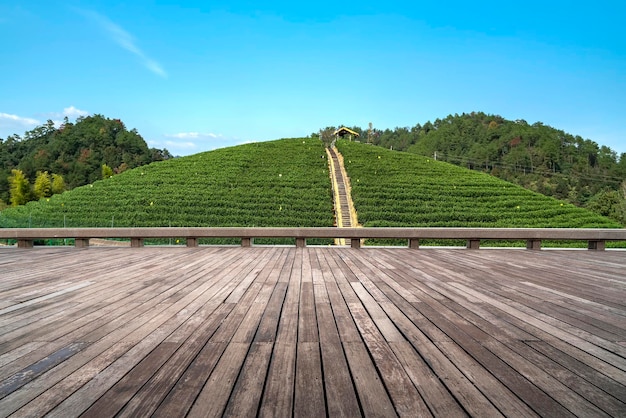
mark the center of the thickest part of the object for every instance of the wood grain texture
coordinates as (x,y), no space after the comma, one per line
(314,331)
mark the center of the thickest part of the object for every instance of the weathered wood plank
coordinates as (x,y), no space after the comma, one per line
(180,400)
(278,395)
(174,373)
(309,387)
(346,327)
(213,398)
(439,400)
(119,394)
(585,371)
(370,389)
(166,322)
(279,331)
(288,324)
(245,398)
(341,397)
(92,361)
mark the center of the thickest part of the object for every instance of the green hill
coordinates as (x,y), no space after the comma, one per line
(278,183)
(75,151)
(392,188)
(286,183)
(536,156)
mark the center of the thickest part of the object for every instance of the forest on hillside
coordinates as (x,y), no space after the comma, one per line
(72,154)
(536,156)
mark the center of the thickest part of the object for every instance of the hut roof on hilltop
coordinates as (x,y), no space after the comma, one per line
(345,131)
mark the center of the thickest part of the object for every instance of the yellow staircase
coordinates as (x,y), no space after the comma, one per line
(345,214)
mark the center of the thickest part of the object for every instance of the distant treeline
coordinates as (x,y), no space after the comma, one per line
(537,156)
(75,152)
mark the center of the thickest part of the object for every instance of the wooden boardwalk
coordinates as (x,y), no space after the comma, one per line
(276,332)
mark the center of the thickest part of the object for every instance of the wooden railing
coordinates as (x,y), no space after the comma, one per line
(596,238)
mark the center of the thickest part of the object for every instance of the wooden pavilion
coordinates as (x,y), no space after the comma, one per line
(343,131)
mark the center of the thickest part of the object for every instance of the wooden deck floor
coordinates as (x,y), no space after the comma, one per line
(311,332)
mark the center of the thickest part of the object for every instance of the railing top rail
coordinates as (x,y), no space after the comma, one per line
(323,232)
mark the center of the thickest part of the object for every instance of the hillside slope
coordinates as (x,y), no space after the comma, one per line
(536,156)
(286,183)
(278,183)
(392,188)
(75,151)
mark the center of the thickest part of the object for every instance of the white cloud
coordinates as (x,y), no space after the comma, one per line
(9,120)
(72,112)
(194,135)
(12,124)
(69,112)
(125,40)
(15,125)
(186,145)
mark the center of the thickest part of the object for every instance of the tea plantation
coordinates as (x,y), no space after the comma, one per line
(392,188)
(278,183)
(286,183)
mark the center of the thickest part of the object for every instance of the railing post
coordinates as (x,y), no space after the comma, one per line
(81,242)
(300,242)
(473,244)
(414,243)
(25,243)
(136,242)
(596,245)
(533,244)
(192,242)
(246,242)
(355,242)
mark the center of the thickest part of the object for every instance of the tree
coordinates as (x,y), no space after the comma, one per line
(76,151)
(160,154)
(58,184)
(43,185)
(327,136)
(19,188)
(107,171)
(609,203)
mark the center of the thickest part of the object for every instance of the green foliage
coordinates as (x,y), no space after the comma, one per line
(107,171)
(402,189)
(278,183)
(610,203)
(537,157)
(20,188)
(58,184)
(286,183)
(43,185)
(75,151)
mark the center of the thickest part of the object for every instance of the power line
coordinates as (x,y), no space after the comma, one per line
(513,167)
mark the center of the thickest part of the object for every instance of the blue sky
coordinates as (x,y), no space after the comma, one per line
(192,76)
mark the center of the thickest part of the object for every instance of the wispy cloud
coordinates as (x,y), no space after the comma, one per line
(10,123)
(194,135)
(184,145)
(15,120)
(125,40)
(72,112)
